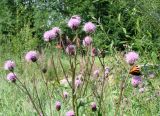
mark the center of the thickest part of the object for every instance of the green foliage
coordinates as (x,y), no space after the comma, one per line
(119,23)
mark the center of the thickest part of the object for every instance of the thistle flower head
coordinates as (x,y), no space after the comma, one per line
(78,82)
(9,65)
(94,52)
(87,41)
(131,57)
(71,49)
(70,113)
(74,22)
(136,80)
(56,30)
(41,114)
(65,95)
(89,27)
(93,106)
(58,105)
(31,56)
(49,35)
(11,77)
(96,73)
(107,70)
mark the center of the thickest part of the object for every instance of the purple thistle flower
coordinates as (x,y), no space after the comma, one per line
(131,57)
(58,105)
(41,114)
(9,65)
(93,106)
(70,113)
(46,36)
(94,52)
(11,77)
(50,35)
(136,80)
(56,30)
(87,41)
(71,49)
(31,56)
(107,70)
(74,22)
(89,27)
(96,73)
(65,95)
(78,82)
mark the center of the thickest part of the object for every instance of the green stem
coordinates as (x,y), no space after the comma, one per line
(39,101)
(120,96)
(65,75)
(30,97)
(47,88)
(73,85)
(103,83)
(55,70)
(86,72)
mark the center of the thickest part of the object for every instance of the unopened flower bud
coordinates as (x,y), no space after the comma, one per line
(65,95)
(58,105)
(44,70)
(11,77)
(93,106)
(71,50)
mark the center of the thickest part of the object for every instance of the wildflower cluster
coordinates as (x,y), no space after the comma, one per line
(81,78)
(10,65)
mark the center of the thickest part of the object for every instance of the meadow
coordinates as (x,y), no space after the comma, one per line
(80,61)
(103,79)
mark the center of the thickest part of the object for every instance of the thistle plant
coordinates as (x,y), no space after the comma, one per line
(81,83)
(77,79)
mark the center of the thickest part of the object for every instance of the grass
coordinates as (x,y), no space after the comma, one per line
(14,103)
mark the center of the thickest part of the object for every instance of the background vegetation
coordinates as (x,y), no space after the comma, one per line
(135,23)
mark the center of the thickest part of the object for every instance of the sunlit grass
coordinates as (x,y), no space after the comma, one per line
(14,102)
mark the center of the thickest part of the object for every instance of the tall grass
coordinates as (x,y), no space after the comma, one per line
(14,102)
